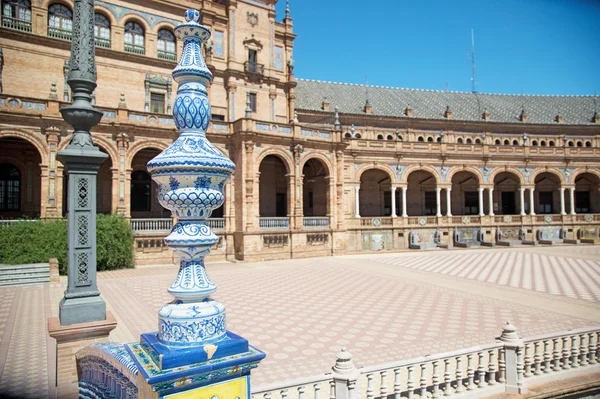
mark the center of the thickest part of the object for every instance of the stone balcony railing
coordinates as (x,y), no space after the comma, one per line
(316,222)
(273,223)
(16,24)
(164,225)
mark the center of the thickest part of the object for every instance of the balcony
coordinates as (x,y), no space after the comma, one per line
(60,34)
(130,48)
(274,223)
(166,55)
(318,222)
(16,24)
(151,225)
(105,43)
(253,67)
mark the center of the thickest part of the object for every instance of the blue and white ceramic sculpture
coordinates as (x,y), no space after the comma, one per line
(191,175)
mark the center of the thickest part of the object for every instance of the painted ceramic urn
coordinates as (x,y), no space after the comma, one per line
(191,175)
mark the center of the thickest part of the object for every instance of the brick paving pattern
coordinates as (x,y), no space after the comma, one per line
(382,307)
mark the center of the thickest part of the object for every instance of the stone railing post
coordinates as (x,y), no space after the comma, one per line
(513,357)
(345,375)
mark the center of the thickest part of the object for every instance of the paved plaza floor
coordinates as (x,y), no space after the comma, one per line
(382,307)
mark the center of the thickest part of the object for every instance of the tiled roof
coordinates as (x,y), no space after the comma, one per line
(431,104)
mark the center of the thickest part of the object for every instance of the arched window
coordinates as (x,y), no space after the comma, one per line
(348,136)
(430,139)
(134,38)
(551,143)
(380,137)
(140,191)
(515,142)
(579,144)
(571,144)
(477,141)
(588,143)
(358,136)
(534,143)
(497,142)
(16,14)
(399,138)
(166,45)
(469,141)
(101,30)
(421,138)
(60,22)
(390,137)
(10,187)
(506,142)
(543,143)
(439,140)
(460,140)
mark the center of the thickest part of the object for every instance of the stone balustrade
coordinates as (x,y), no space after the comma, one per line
(216,223)
(151,225)
(509,364)
(313,222)
(274,223)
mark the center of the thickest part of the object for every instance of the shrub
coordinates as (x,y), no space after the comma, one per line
(36,242)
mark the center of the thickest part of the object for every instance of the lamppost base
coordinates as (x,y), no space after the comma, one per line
(81,310)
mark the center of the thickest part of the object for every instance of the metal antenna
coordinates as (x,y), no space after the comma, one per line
(367,89)
(473,61)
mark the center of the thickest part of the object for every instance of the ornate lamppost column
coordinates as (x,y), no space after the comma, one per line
(82,302)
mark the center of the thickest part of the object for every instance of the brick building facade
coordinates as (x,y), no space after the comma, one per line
(322,168)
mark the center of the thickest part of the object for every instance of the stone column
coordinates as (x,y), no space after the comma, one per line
(357,213)
(513,359)
(531,201)
(393,202)
(438,202)
(481,201)
(562,201)
(123,194)
(53,208)
(251,183)
(491,200)
(339,178)
(291,181)
(404,213)
(448,202)
(231,89)
(572,198)
(522,200)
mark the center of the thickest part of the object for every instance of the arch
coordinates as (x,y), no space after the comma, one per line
(39,144)
(142,145)
(380,137)
(534,143)
(579,143)
(347,136)
(135,18)
(538,171)
(459,140)
(389,137)
(588,143)
(386,168)
(515,142)
(455,169)
(477,141)
(420,138)
(107,13)
(316,190)
(496,171)
(287,160)
(506,142)
(551,143)
(163,25)
(497,142)
(430,139)
(274,192)
(571,143)
(543,143)
(316,155)
(469,141)
(427,168)
(580,171)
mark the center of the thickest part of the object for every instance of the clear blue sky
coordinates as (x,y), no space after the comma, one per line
(538,46)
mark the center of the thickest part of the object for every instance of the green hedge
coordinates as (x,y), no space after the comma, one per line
(36,242)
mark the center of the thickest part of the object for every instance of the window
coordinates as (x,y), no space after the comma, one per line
(430,205)
(506,142)
(380,137)
(582,201)
(157,103)
(140,191)
(588,143)
(534,143)
(16,14)
(579,144)
(477,141)
(219,42)
(10,187)
(253,102)
(460,140)
(102,30)
(571,144)
(543,143)
(134,38)
(420,138)
(469,141)
(545,202)
(551,143)
(430,139)
(471,202)
(497,142)
(60,22)
(515,142)
(166,45)
(390,137)
(217,117)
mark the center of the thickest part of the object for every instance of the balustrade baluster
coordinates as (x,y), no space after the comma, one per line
(423,381)
(331,389)
(301,392)
(383,388)
(574,352)
(447,378)
(520,378)
(528,360)
(547,356)
(565,353)
(593,349)
(481,371)
(317,390)
(435,380)
(284,393)
(459,375)
(583,350)
(470,373)
(397,386)
(492,367)
(556,354)
(370,390)
(351,389)
(537,359)
(410,383)
(502,366)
